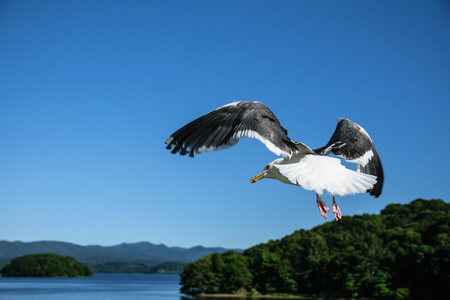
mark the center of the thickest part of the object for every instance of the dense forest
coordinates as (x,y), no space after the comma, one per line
(45,265)
(130,267)
(402,253)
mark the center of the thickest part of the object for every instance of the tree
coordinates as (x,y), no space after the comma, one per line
(235,274)
(216,273)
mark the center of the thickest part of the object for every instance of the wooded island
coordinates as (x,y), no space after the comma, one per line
(45,265)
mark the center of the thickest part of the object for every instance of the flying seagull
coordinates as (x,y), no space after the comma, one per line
(311,169)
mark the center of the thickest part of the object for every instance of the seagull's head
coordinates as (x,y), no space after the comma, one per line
(269,171)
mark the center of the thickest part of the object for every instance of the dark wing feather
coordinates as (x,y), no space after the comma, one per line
(222,128)
(352,143)
(374,167)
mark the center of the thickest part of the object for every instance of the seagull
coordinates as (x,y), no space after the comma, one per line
(310,169)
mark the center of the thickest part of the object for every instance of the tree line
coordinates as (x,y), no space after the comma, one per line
(167,267)
(402,253)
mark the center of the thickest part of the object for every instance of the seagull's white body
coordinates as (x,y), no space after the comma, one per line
(319,173)
(311,169)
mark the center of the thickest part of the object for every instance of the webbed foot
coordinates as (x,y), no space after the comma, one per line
(323,208)
(336,210)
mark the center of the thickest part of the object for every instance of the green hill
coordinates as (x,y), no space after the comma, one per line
(403,253)
(45,265)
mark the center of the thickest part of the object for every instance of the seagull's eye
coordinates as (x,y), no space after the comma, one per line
(266,167)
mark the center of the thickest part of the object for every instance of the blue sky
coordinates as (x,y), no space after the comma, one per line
(90,90)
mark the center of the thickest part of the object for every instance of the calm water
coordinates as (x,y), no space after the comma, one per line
(101,286)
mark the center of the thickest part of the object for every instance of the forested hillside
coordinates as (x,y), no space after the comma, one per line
(403,253)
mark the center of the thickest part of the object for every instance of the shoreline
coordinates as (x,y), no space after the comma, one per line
(248,296)
(232,296)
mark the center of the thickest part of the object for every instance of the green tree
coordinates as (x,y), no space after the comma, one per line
(216,273)
(235,273)
(198,277)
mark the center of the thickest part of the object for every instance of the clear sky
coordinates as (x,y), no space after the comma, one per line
(90,90)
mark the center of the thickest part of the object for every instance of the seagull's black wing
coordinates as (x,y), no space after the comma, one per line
(223,127)
(352,143)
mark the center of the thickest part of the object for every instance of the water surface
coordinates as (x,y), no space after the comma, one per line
(101,286)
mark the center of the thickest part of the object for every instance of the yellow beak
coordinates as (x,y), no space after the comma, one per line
(256,178)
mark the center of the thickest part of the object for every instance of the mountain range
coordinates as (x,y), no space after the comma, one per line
(143,253)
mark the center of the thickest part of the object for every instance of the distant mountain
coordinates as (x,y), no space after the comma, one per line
(144,253)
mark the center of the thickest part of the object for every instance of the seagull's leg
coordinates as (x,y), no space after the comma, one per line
(323,208)
(336,210)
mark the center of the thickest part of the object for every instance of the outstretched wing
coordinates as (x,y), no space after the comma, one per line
(223,127)
(352,143)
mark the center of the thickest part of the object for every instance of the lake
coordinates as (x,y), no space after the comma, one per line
(101,286)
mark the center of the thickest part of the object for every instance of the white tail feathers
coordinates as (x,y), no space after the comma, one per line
(318,173)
